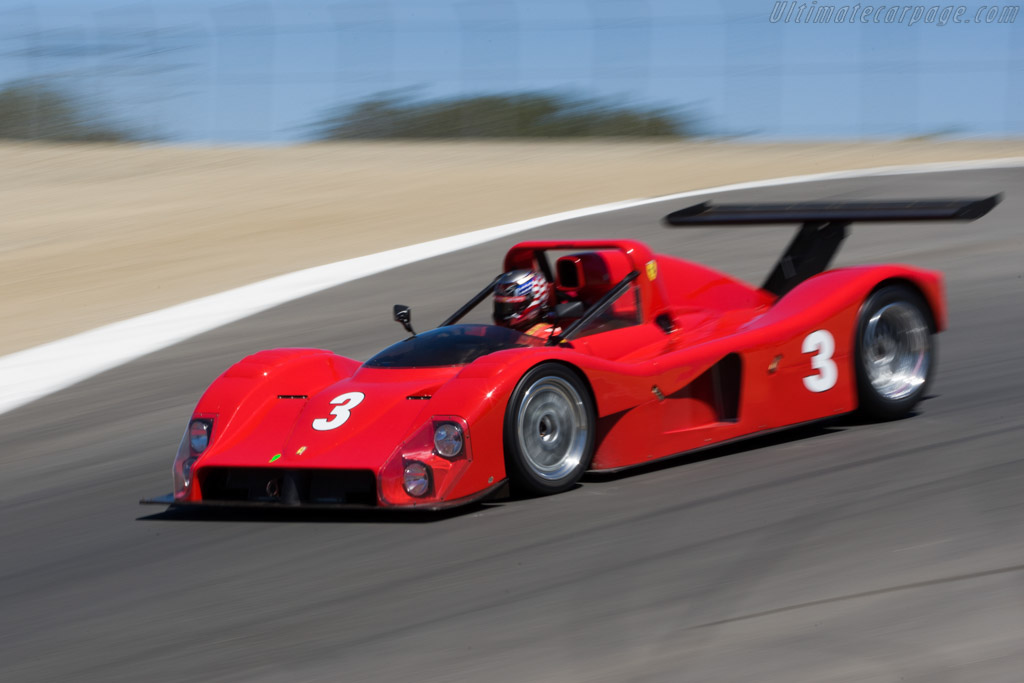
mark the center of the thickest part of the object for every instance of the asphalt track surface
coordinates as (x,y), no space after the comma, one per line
(837,552)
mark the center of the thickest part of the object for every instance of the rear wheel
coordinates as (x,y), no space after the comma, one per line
(549,431)
(895,352)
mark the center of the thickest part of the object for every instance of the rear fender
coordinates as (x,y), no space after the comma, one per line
(933,291)
(773,344)
(822,295)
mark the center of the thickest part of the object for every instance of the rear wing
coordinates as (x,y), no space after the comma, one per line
(823,226)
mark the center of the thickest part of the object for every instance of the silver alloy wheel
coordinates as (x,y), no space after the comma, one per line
(896,350)
(551,428)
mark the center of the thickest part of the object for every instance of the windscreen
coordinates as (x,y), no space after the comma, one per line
(450,345)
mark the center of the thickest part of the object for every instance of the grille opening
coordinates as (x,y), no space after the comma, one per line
(288,487)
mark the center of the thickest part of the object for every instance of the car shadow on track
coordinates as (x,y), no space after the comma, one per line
(299,515)
(859,420)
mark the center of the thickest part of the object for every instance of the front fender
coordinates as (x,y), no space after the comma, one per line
(249,387)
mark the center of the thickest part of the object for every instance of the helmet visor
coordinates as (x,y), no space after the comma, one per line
(507,309)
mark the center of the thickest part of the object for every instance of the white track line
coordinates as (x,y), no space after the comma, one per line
(36,372)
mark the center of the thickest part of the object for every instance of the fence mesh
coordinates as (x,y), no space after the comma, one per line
(265,71)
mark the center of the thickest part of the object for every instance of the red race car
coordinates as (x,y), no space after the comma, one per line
(613,357)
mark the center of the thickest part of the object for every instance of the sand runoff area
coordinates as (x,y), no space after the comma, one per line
(95,234)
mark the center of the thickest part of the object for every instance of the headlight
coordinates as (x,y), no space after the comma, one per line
(186,469)
(199,435)
(417,479)
(448,439)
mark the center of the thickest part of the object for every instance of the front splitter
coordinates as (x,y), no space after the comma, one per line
(170,502)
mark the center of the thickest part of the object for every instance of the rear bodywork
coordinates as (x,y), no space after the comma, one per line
(696,358)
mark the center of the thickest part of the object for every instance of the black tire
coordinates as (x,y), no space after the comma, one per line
(894,352)
(549,431)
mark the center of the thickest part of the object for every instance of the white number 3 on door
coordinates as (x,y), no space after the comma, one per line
(822,345)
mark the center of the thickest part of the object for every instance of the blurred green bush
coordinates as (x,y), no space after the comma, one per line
(517,115)
(30,110)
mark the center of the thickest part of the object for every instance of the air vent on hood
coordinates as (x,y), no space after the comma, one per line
(302,396)
(418,397)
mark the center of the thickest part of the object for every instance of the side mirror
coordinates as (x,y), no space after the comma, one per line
(569,309)
(403,315)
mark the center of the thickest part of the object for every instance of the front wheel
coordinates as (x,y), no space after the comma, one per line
(895,352)
(549,431)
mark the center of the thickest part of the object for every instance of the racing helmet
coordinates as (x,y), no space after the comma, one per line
(521,298)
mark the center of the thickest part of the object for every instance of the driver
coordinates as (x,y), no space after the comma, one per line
(522,301)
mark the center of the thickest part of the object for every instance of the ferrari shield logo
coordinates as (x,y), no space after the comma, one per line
(652,269)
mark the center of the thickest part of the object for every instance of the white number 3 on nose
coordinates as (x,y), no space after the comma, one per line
(822,345)
(343,406)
